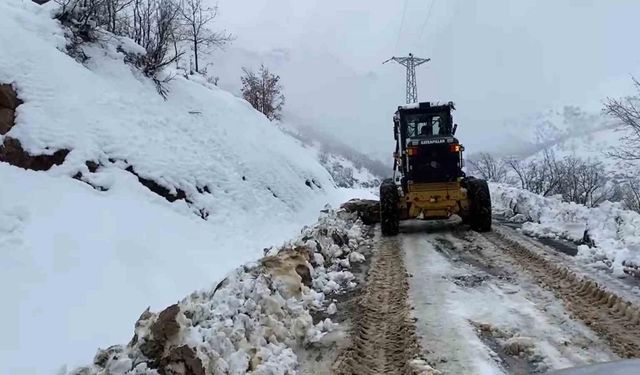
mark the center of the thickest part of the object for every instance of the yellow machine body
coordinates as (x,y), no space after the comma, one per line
(438,200)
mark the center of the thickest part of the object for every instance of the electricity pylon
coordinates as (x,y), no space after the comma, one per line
(410,63)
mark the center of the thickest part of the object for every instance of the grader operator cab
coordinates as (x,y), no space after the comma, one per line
(428,180)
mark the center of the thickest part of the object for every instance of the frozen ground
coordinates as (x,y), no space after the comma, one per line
(491,303)
(476,312)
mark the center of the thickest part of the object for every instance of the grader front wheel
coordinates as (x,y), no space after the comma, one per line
(479,216)
(389,199)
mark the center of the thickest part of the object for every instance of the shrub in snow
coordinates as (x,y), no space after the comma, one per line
(263,91)
(252,320)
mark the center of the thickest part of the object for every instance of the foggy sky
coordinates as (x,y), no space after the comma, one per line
(497,59)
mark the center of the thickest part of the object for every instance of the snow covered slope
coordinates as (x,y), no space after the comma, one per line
(552,126)
(346,174)
(82,257)
(573,132)
(527,135)
(596,146)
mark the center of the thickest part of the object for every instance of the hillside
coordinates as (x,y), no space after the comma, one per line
(567,132)
(588,136)
(140,199)
(552,127)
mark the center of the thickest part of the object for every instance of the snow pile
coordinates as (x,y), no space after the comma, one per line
(254,319)
(610,235)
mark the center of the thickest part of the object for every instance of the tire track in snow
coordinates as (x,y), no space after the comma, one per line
(477,313)
(383,339)
(614,318)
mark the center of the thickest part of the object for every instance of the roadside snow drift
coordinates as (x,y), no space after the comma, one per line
(609,233)
(166,196)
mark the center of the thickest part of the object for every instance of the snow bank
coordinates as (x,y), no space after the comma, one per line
(81,257)
(609,233)
(254,319)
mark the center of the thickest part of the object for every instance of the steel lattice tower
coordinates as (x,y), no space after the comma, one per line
(410,63)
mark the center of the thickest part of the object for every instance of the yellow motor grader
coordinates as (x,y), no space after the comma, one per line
(428,181)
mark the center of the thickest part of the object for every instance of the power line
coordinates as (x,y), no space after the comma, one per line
(404,12)
(410,63)
(424,25)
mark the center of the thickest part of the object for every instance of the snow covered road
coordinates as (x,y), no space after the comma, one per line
(491,303)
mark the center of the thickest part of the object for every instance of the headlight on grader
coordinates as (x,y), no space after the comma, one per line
(412,151)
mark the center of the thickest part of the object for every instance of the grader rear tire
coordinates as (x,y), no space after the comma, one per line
(479,217)
(389,199)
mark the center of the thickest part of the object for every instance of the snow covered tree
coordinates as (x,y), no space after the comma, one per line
(196,17)
(82,17)
(88,15)
(263,91)
(630,191)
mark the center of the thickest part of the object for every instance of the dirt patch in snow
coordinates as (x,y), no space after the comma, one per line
(383,336)
(612,317)
(515,353)
(11,152)
(159,189)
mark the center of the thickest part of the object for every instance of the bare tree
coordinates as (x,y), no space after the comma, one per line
(576,180)
(111,14)
(263,92)
(160,26)
(627,110)
(154,26)
(196,17)
(583,182)
(488,167)
(539,176)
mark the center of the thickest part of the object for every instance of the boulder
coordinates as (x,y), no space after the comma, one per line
(368,210)
(7,120)
(8,103)
(11,152)
(8,97)
(162,330)
(182,360)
